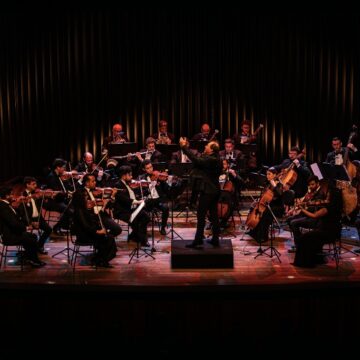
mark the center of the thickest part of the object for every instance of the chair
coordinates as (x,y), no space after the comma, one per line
(77,249)
(5,250)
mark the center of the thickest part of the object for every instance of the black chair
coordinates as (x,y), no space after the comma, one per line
(5,252)
(77,249)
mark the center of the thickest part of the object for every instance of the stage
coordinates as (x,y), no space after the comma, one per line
(147,300)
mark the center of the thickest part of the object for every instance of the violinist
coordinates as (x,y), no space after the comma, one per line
(261,230)
(118,136)
(328,229)
(163,136)
(125,203)
(14,231)
(111,226)
(62,201)
(300,167)
(336,157)
(87,166)
(88,228)
(30,212)
(301,220)
(157,192)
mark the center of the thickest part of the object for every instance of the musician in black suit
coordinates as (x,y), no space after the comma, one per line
(150,153)
(207,169)
(163,136)
(301,168)
(179,156)
(30,212)
(336,157)
(125,203)
(156,193)
(88,229)
(61,202)
(118,136)
(14,231)
(205,134)
(231,154)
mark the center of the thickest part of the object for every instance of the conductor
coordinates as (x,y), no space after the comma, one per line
(206,172)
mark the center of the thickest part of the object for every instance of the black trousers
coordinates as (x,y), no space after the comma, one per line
(207,202)
(46,230)
(160,205)
(65,211)
(298,221)
(110,224)
(28,241)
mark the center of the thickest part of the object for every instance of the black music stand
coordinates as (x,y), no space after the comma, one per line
(183,170)
(246,149)
(122,149)
(167,150)
(199,145)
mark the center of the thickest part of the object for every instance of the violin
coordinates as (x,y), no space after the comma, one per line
(67,175)
(135,184)
(157,175)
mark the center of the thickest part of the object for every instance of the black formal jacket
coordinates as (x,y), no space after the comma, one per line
(237,156)
(206,172)
(122,205)
(330,158)
(176,156)
(85,224)
(162,187)
(11,226)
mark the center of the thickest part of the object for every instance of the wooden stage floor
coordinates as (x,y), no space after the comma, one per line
(150,274)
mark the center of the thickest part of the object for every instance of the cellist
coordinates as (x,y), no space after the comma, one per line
(275,189)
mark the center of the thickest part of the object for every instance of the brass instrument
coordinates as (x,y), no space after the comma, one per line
(163,139)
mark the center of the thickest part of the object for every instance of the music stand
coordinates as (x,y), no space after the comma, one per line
(167,150)
(122,149)
(199,145)
(160,166)
(183,170)
(246,149)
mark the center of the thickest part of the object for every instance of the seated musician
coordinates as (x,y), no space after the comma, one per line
(245,136)
(87,166)
(230,153)
(150,153)
(156,193)
(118,136)
(88,229)
(14,231)
(30,212)
(328,229)
(297,221)
(230,193)
(109,224)
(179,157)
(125,203)
(58,180)
(205,134)
(336,157)
(163,136)
(300,167)
(260,232)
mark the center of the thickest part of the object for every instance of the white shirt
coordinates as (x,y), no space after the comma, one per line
(184,158)
(339,159)
(230,155)
(148,155)
(152,187)
(131,193)
(97,209)
(35,212)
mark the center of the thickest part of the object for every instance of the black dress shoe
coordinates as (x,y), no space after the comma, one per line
(42,251)
(214,242)
(195,245)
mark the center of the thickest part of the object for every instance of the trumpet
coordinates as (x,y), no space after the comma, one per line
(128,155)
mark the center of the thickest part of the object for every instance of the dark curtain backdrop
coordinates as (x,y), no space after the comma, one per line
(65,78)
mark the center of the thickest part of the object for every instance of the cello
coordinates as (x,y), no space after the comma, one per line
(289,176)
(225,203)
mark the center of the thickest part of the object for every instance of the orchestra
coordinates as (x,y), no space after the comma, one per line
(93,196)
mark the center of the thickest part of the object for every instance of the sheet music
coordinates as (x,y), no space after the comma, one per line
(316,170)
(136,212)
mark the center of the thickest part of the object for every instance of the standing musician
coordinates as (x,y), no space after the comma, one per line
(263,216)
(88,227)
(87,166)
(59,180)
(336,157)
(296,162)
(125,203)
(30,212)
(179,157)
(234,156)
(207,169)
(118,136)
(205,134)
(245,136)
(157,192)
(14,231)
(297,221)
(163,136)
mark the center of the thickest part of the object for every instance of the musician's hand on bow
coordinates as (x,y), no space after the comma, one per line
(182,141)
(351,147)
